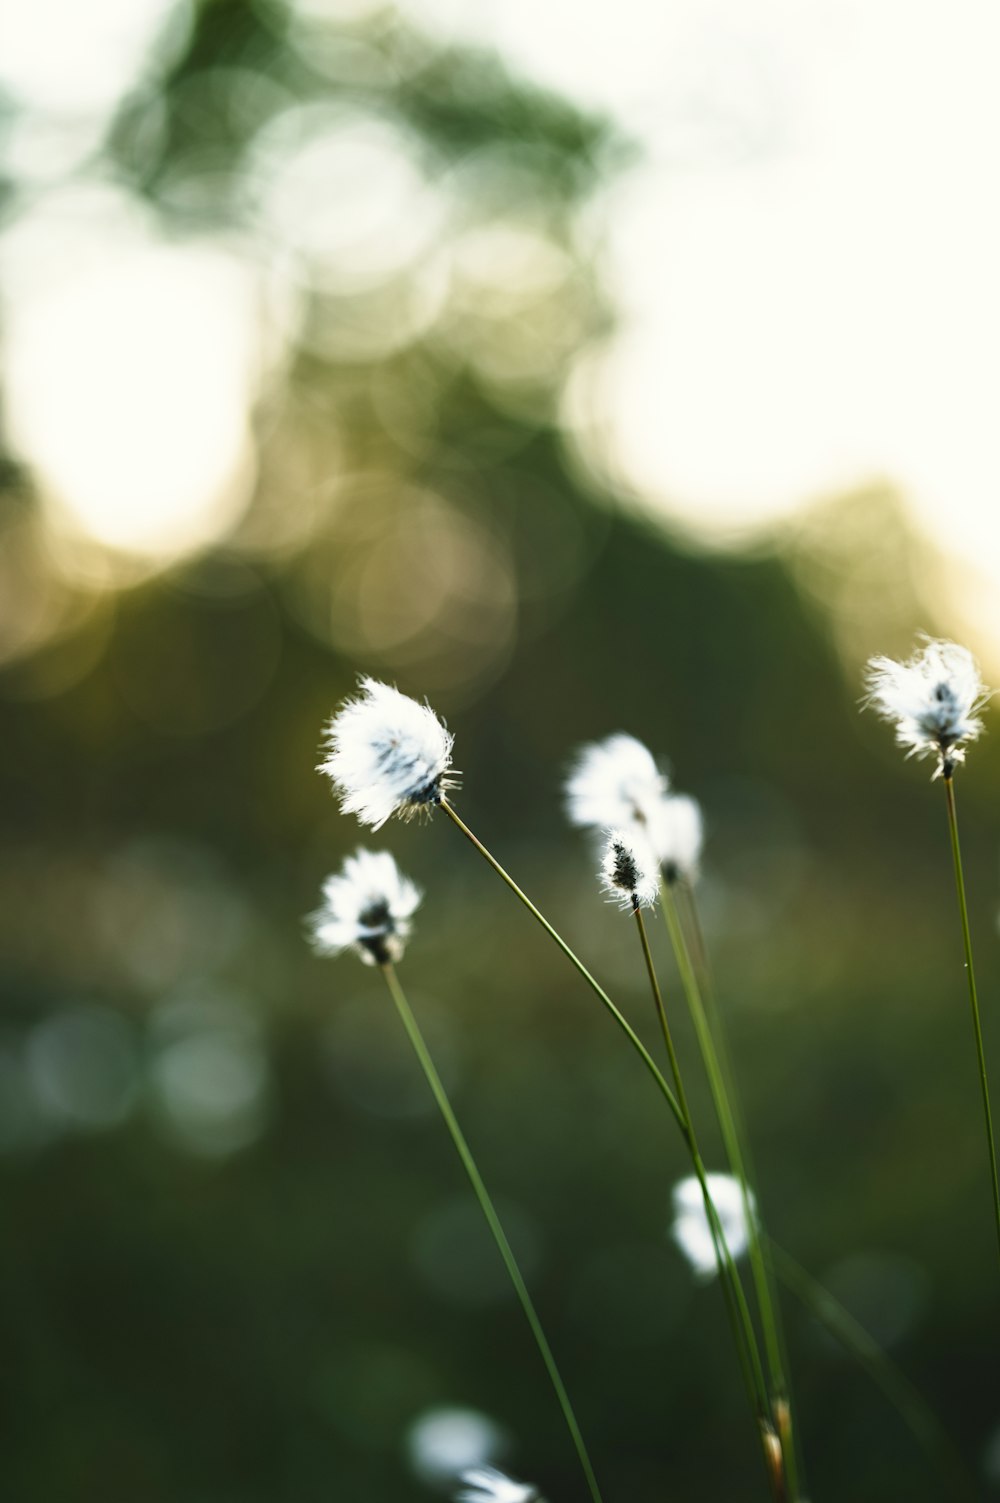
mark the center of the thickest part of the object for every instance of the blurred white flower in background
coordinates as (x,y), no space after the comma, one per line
(443,1443)
(366,906)
(614,784)
(485,1484)
(690,1229)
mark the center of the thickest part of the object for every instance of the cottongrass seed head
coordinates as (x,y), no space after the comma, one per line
(387,754)
(484,1484)
(614,784)
(675,833)
(629,873)
(367,907)
(690,1228)
(934,700)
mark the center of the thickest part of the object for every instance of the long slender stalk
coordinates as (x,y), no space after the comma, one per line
(736,1301)
(897,1388)
(956,853)
(595,987)
(724,1097)
(493,1222)
(603,997)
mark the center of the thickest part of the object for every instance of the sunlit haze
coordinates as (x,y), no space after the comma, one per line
(129,390)
(802,261)
(806,259)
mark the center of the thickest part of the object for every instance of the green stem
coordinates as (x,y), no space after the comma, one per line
(723,1097)
(743,1330)
(598,990)
(897,1388)
(606,1001)
(973,998)
(492,1220)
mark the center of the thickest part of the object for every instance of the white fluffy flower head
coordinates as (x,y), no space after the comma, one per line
(934,701)
(367,906)
(675,835)
(387,754)
(629,873)
(484,1484)
(614,784)
(690,1227)
(445,1441)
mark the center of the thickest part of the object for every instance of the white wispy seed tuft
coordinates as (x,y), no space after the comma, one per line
(629,873)
(614,784)
(934,701)
(675,835)
(367,907)
(484,1484)
(387,754)
(690,1227)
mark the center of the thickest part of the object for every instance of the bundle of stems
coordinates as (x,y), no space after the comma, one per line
(388,755)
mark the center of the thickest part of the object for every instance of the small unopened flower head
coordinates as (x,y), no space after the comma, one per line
(629,873)
(614,784)
(690,1227)
(484,1484)
(367,906)
(387,754)
(934,700)
(675,836)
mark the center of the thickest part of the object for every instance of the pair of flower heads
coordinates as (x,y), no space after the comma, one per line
(387,754)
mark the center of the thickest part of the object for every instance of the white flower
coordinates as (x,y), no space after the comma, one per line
(629,873)
(934,700)
(484,1484)
(367,906)
(614,784)
(674,831)
(387,754)
(445,1442)
(691,1230)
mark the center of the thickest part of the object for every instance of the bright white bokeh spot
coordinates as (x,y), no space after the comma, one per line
(68,56)
(129,384)
(344,193)
(805,261)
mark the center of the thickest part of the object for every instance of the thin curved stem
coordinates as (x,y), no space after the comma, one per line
(765,1427)
(493,1222)
(743,1329)
(949,790)
(595,987)
(724,1097)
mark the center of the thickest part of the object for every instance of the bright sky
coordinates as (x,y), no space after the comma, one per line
(806,262)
